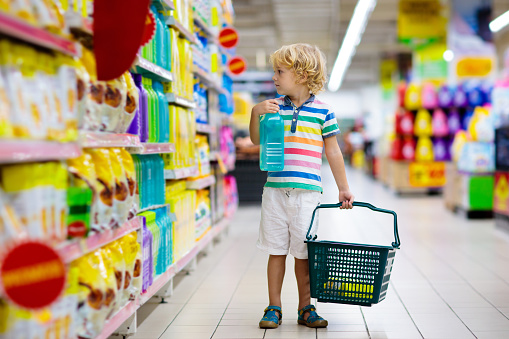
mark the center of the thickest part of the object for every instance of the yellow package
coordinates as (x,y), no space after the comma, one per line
(95,91)
(66,73)
(23,10)
(132,256)
(46,77)
(92,295)
(82,91)
(47,15)
(121,187)
(130,173)
(10,225)
(106,202)
(5,109)
(131,104)
(114,99)
(108,273)
(116,256)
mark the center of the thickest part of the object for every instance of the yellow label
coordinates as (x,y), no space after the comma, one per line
(474,67)
(502,194)
(427,174)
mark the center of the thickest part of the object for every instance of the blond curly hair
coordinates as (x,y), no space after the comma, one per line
(303,59)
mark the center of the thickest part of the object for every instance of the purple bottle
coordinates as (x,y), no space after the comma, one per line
(460,97)
(445,97)
(134,128)
(454,121)
(139,126)
(147,257)
(440,150)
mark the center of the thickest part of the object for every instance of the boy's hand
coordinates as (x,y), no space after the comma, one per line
(346,197)
(267,106)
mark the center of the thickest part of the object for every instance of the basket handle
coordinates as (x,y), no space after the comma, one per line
(395,244)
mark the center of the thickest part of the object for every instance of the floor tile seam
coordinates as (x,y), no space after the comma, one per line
(231,245)
(439,295)
(253,255)
(365,323)
(468,283)
(408,312)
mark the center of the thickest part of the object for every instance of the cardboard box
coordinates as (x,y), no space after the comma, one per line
(416,176)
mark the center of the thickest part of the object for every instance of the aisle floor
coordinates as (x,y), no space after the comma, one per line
(450,277)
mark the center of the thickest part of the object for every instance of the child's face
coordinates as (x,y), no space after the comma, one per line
(286,81)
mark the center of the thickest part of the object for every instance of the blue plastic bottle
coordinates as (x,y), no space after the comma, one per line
(272,147)
(164,112)
(165,37)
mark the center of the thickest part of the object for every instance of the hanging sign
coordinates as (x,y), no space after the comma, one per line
(237,65)
(427,174)
(474,67)
(228,37)
(32,275)
(421,21)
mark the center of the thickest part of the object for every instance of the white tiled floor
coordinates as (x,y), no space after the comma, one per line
(450,278)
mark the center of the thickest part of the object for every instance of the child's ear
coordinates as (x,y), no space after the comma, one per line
(303,78)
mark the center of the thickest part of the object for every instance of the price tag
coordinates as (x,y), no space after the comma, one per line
(427,174)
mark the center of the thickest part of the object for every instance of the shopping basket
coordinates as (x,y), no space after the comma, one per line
(346,273)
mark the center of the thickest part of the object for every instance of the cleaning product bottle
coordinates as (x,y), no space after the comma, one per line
(165,41)
(272,156)
(413,97)
(135,126)
(424,150)
(159,44)
(153,115)
(408,149)
(439,123)
(445,97)
(422,126)
(429,96)
(453,121)
(440,150)
(164,123)
(407,123)
(397,149)
(143,109)
(460,97)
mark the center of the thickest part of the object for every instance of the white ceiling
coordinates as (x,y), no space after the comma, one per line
(266,25)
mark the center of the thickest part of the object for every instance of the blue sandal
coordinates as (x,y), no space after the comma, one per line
(314,320)
(271,319)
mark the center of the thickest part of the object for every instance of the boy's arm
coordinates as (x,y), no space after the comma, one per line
(267,106)
(337,165)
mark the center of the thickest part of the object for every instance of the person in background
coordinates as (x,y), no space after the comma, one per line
(290,196)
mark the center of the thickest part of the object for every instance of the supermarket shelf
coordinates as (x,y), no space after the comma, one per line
(118,319)
(164,6)
(16,28)
(181,173)
(77,248)
(158,283)
(207,80)
(199,22)
(171,21)
(153,148)
(36,150)
(103,139)
(152,208)
(178,100)
(201,183)
(151,70)
(205,128)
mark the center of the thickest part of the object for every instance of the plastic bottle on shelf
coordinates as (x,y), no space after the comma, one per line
(454,121)
(422,125)
(164,123)
(397,149)
(439,123)
(460,97)
(429,96)
(413,97)
(159,38)
(408,149)
(407,123)
(272,155)
(445,97)
(424,149)
(440,150)
(153,112)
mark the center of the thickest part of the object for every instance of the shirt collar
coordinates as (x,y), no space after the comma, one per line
(288,101)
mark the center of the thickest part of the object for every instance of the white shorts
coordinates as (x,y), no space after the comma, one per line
(286,216)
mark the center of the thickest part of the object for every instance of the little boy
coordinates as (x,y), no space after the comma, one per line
(290,196)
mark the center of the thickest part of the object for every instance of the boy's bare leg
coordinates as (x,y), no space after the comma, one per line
(275,275)
(302,275)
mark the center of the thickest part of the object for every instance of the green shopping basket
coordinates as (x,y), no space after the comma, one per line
(346,273)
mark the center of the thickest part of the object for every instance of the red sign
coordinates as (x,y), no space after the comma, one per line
(32,275)
(228,37)
(237,65)
(150,29)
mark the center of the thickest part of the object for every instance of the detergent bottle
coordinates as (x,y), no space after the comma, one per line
(422,126)
(272,148)
(429,96)
(424,150)
(439,123)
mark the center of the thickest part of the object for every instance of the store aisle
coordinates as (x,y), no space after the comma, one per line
(450,279)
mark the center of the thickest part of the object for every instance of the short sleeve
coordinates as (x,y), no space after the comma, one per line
(330,126)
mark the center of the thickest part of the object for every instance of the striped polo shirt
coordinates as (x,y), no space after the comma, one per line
(305,129)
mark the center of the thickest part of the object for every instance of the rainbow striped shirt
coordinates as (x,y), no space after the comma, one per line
(305,129)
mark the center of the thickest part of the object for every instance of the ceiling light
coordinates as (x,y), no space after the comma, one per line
(500,22)
(448,55)
(352,38)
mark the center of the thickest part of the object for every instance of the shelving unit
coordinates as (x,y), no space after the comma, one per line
(207,80)
(205,128)
(201,183)
(35,150)
(199,22)
(181,173)
(118,319)
(171,21)
(164,6)
(21,30)
(152,208)
(155,148)
(180,101)
(102,139)
(151,70)
(77,248)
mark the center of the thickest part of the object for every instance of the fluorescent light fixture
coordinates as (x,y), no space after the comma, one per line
(448,55)
(500,22)
(352,38)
